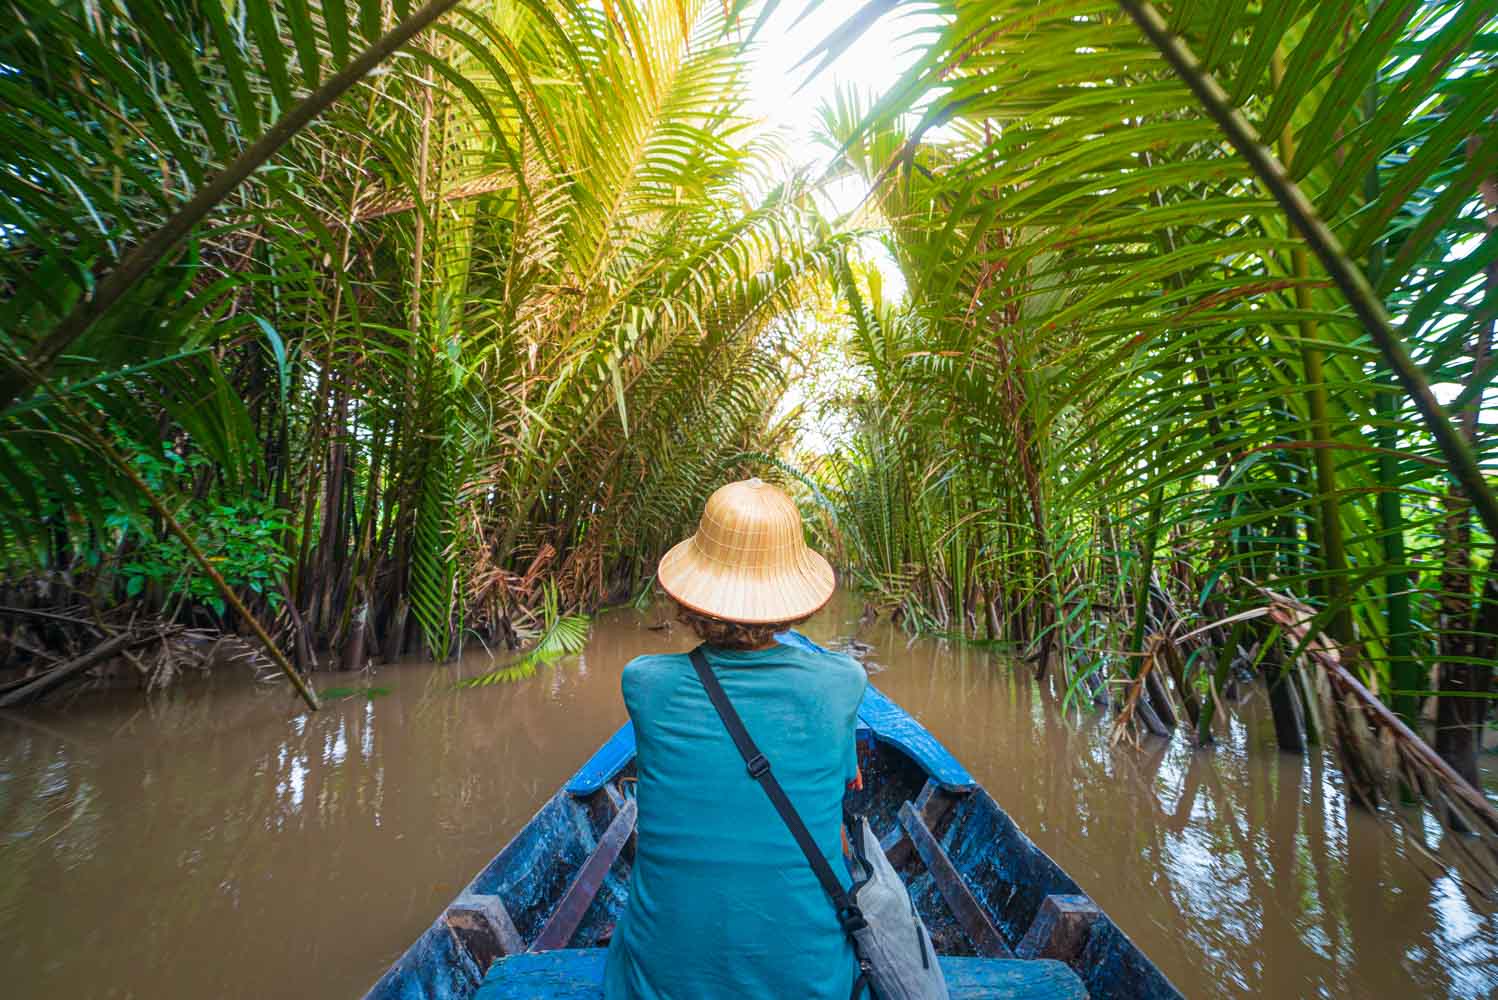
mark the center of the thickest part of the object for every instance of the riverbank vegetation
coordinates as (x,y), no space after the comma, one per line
(1124,400)
(1186,384)
(494,319)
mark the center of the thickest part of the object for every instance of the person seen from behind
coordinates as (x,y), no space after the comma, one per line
(722,902)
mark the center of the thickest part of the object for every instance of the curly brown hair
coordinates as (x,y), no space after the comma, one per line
(731,635)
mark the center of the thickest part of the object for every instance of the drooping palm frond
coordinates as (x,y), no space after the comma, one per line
(471,292)
(561,635)
(1148,372)
(155,38)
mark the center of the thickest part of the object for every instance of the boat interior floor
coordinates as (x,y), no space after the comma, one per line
(577,974)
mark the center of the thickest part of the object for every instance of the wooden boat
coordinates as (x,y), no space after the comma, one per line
(1006,920)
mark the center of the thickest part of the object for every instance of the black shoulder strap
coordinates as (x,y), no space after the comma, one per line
(848,914)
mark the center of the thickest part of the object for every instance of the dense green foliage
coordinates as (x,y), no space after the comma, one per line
(493,321)
(1120,371)
(496,317)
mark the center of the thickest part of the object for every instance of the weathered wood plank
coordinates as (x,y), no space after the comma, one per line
(934,804)
(569,913)
(968,911)
(1060,929)
(1005,979)
(896,835)
(577,974)
(482,927)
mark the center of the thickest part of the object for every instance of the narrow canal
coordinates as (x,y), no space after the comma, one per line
(214,841)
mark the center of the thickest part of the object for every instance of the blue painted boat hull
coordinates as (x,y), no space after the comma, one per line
(577,974)
(542,888)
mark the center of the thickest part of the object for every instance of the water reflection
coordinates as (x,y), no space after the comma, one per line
(217,841)
(1241,872)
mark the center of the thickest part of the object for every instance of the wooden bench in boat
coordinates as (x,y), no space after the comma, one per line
(577,974)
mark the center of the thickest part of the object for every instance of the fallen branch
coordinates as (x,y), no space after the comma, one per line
(37,686)
(50,616)
(1381,757)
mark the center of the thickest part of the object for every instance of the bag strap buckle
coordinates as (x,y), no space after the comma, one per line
(850,918)
(759,766)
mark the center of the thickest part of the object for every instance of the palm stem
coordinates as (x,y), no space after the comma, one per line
(1340,267)
(1327,508)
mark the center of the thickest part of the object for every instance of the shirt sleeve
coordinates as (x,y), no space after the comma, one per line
(850,761)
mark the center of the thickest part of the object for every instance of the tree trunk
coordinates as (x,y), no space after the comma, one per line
(1460,714)
(1284,702)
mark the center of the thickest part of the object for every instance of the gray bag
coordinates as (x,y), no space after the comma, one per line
(895,957)
(895,947)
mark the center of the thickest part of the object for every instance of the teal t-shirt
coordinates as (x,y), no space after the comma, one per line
(722,903)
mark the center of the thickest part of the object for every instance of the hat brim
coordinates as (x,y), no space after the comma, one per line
(746,594)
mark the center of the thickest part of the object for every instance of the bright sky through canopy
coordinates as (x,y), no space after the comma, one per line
(872,64)
(789,102)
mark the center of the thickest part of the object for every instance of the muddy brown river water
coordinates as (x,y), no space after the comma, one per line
(216,841)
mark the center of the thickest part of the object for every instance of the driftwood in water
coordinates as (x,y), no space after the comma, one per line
(1159,699)
(55,677)
(1097,688)
(157,650)
(1144,713)
(1284,702)
(1170,654)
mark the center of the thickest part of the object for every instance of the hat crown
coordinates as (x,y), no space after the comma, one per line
(750,524)
(748,561)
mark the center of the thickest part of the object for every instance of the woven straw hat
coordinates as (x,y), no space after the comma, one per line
(748,561)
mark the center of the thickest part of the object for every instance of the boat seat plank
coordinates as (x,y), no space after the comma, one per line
(968,911)
(569,913)
(606,762)
(1060,929)
(971,978)
(482,927)
(932,805)
(577,974)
